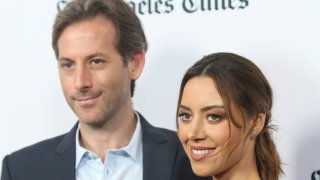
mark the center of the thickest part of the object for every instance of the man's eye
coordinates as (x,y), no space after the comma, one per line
(67,65)
(96,61)
(184,117)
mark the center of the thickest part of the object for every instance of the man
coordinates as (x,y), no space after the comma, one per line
(100,47)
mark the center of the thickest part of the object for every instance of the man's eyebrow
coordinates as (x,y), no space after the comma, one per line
(97,54)
(90,56)
(65,59)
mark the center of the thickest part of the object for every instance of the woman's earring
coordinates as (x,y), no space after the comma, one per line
(253,134)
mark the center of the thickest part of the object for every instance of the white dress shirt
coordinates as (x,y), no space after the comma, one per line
(120,164)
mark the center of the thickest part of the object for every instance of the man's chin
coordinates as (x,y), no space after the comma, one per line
(90,120)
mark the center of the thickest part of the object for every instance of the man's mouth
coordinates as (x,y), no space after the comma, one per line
(87,100)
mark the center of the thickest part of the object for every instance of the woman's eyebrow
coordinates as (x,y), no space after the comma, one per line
(207,108)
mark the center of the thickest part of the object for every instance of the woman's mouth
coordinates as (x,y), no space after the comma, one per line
(199,153)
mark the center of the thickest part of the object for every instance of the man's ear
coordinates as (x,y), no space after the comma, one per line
(136,64)
(259,125)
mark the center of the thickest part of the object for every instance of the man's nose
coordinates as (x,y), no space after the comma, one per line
(83,80)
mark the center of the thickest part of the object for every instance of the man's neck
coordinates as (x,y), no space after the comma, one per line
(115,134)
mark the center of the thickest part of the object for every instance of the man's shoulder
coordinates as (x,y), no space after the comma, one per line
(33,161)
(59,143)
(169,134)
(157,132)
(38,148)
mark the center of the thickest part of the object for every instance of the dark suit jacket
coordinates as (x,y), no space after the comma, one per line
(54,159)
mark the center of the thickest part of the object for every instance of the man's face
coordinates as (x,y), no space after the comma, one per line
(95,80)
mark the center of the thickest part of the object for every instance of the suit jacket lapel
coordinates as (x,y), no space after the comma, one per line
(155,144)
(62,159)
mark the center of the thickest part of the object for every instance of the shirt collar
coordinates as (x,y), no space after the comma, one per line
(80,151)
(134,148)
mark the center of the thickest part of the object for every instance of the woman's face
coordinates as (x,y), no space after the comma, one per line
(213,145)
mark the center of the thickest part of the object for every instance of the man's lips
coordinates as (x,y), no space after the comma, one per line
(87,100)
(199,153)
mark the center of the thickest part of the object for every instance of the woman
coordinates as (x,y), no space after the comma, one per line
(223,119)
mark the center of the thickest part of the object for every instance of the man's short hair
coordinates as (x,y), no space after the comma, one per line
(130,36)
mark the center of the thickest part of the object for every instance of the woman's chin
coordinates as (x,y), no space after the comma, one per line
(201,171)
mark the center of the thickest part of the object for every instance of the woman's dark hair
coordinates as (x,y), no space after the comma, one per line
(246,92)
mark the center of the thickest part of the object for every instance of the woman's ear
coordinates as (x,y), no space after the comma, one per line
(258,126)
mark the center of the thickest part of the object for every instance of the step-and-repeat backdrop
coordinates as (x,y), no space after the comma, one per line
(281,37)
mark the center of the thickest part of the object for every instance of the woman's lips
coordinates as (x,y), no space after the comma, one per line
(199,153)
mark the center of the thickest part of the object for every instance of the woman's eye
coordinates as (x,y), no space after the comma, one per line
(184,117)
(214,117)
